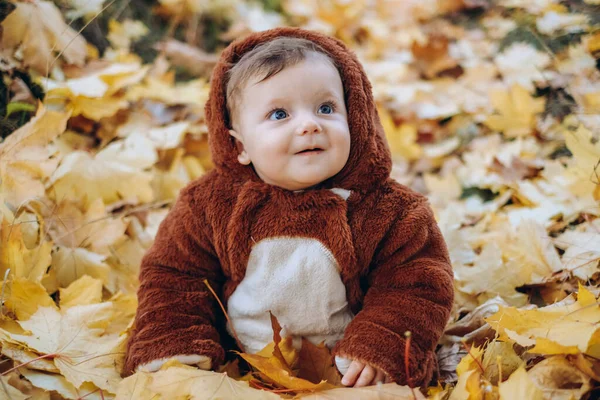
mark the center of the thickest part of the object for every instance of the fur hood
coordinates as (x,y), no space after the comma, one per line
(369,163)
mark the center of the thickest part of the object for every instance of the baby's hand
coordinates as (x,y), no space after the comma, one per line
(360,374)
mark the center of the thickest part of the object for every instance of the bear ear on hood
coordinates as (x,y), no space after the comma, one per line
(369,163)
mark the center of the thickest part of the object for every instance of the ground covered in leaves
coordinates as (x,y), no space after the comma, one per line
(491,108)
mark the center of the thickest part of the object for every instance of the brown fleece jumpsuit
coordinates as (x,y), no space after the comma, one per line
(356,262)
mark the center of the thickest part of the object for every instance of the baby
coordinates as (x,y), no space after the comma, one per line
(299,217)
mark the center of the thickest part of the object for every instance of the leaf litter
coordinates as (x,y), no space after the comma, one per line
(96,147)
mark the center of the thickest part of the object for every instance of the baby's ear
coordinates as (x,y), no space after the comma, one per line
(243,156)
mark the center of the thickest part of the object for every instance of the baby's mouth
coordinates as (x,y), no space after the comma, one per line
(311,151)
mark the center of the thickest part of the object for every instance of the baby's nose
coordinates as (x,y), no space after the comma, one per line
(309,126)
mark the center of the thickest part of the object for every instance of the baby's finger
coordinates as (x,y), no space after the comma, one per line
(366,377)
(380,377)
(353,371)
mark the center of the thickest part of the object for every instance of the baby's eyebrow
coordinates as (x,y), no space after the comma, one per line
(326,93)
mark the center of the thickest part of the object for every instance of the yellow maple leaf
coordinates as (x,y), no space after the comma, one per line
(567,324)
(25,159)
(516,111)
(85,290)
(95,95)
(519,386)
(81,350)
(58,383)
(21,355)
(193,92)
(586,155)
(26,297)
(470,361)
(81,176)
(175,381)
(71,226)
(39,28)
(468,386)
(401,139)
(71,264)
(500,358)
(15,256)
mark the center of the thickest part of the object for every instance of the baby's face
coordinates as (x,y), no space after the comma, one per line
(293,126)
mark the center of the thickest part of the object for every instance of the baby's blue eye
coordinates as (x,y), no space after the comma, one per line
(326,109)
(278,114)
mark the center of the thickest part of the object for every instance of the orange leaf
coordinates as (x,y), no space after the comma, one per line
(276,372)
(277,339)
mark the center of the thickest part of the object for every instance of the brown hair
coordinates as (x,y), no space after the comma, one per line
(266,60)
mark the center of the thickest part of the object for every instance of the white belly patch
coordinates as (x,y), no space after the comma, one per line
(298,280)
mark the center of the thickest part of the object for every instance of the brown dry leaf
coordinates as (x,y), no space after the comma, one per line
(316,364)
(517,110)
(432,57)
(38,27)
(559,379)
(276,372)
(8,391)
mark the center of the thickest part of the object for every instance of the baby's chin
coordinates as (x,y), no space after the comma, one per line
(304,182)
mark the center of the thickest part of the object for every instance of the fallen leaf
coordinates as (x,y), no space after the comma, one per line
(58,383)
(75,338)
(516,111)
(316,364)
(500,357)
(40,29)
(25,158)
(275,371)
(568,323)
(85,290)
(15,256)
(26,297)
(559,379)
(174,380)
(71,264)
(389,391)
(21,355)
(471,361)
(81,176)
(519,386)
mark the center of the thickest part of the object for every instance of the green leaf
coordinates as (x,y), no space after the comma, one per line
(16,106)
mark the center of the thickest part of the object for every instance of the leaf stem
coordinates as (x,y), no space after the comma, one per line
(237,340)
(52,355)
(408,336)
